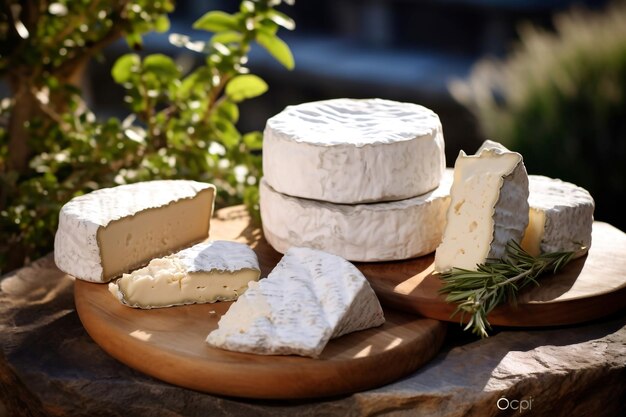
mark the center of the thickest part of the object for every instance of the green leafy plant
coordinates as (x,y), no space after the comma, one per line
(51,147)
(180,126)
(186,123)
(560,100)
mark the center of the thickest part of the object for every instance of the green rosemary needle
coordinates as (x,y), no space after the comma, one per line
(496,281)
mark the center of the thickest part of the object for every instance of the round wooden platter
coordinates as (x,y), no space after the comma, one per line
(588,288)
(169,343)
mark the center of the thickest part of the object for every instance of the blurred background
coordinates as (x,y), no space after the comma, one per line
(422,51)
(406,50)
(546,78)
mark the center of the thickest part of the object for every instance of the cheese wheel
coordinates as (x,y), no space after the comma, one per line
(560,217)
(362,232)
(354,151)
(112,231)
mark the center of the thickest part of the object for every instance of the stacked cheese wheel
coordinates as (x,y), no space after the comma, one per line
(363,179)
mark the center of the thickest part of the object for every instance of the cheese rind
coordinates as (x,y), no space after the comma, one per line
(354,151)
(309,298)
(363,232)
(114,230)
(561,217)
(204,273)
(488,208)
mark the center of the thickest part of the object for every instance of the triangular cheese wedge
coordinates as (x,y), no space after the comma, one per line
(204,273)
(310,297)
(488,208)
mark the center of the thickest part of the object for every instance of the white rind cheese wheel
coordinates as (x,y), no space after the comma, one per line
(561,217)
(111,231)
(354,151)
(364,232)
(309,298)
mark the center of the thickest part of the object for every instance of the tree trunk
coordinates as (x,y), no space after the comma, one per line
(25,106)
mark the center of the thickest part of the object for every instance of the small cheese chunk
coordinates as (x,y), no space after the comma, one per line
(351,151)
(488,208)
(362,232)
(308,299)
(205,273)
(561,217)
(108,232)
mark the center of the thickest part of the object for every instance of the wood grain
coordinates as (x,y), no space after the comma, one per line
(169,344)
(588,288)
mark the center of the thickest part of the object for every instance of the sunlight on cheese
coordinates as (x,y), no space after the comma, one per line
(110,231)
(531,242)
(489,207)
(205,273)
(128,242)
(309,298)
(561,217)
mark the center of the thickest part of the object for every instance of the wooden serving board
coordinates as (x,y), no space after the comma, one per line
(588,288)
(169,343)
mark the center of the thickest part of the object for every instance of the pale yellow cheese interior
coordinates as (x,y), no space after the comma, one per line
(469,228)
(130,242)
(533,235)
(165,282)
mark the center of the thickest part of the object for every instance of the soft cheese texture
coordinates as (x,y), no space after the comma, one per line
(309,298)
(205,273)
(488,207)
(354,151)
(363,232)
(561,217)
(111,231)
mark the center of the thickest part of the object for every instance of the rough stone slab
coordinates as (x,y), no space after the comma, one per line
(50,366)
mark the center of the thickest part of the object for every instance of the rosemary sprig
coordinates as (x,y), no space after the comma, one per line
(496,281)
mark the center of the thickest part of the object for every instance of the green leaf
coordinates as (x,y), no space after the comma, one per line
(162,24)
(277,48)
(216,21)
(229,110)
(253,140)
(161,65)
(228,133)
(227,37)
(281,19)
(245,86)
(124,67)
(134,41)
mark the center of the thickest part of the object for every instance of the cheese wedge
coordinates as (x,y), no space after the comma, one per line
(561,217)
(488,208)
(205,273)
(108,232)
(309,298)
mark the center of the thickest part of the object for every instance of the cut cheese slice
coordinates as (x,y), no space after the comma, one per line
(354,151)
(488,208)
(363,232)
(561,217)
(205,273)
(308,299)
(108,232)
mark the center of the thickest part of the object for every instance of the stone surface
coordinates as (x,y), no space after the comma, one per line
(50,366)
